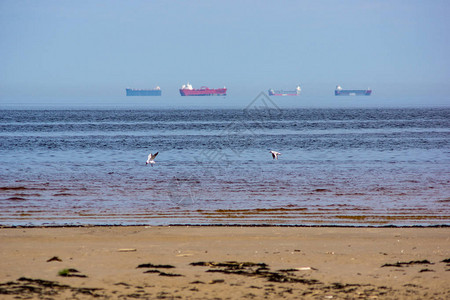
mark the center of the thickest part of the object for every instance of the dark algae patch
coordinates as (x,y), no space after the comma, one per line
(54,258)
(409,263)
(44,289)
(169,274)
(307,286)
(229,264)
(426,270)
(252,269)
(154,269)
(155,266)
(252,280)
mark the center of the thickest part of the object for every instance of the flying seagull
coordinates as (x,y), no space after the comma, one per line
(275,154)
(151,159)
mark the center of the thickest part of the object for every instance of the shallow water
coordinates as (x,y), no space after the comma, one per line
(338,167)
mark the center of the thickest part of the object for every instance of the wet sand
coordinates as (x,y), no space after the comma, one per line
(214,262)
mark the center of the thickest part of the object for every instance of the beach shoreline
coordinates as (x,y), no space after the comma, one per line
(225,262)
(225,225)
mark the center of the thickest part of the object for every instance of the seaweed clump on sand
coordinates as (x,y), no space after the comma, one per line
(400,264)
(154,269)
(29,288)
(251,269)
(149,265)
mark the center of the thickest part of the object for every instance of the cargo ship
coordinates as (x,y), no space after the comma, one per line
(187,90)
(297,91)
(151,92)
(339,91)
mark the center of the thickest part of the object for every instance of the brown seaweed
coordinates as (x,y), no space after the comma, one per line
(405,264)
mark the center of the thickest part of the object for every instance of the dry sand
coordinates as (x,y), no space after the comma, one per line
(232,263)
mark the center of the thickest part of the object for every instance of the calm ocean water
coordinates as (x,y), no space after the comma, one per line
(338,166)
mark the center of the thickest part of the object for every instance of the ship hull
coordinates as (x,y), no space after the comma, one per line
(283,93)
(203,92)
(132,92)
(352,92)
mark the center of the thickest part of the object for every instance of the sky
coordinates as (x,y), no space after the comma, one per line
(87,52)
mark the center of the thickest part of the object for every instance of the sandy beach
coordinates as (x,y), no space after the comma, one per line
(213,262)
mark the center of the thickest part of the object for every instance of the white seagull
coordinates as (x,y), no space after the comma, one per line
(275,154)
(151,159)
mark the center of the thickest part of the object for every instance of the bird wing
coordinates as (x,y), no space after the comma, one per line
(152,156)
(273,155)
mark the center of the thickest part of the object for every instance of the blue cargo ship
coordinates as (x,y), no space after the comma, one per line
(339,91)
(152,92)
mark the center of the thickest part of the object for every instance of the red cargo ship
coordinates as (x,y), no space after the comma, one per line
(187,90)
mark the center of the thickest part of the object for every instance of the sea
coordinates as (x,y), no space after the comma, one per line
(338,167)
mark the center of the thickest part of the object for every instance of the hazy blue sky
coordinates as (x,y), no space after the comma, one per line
(87,52)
